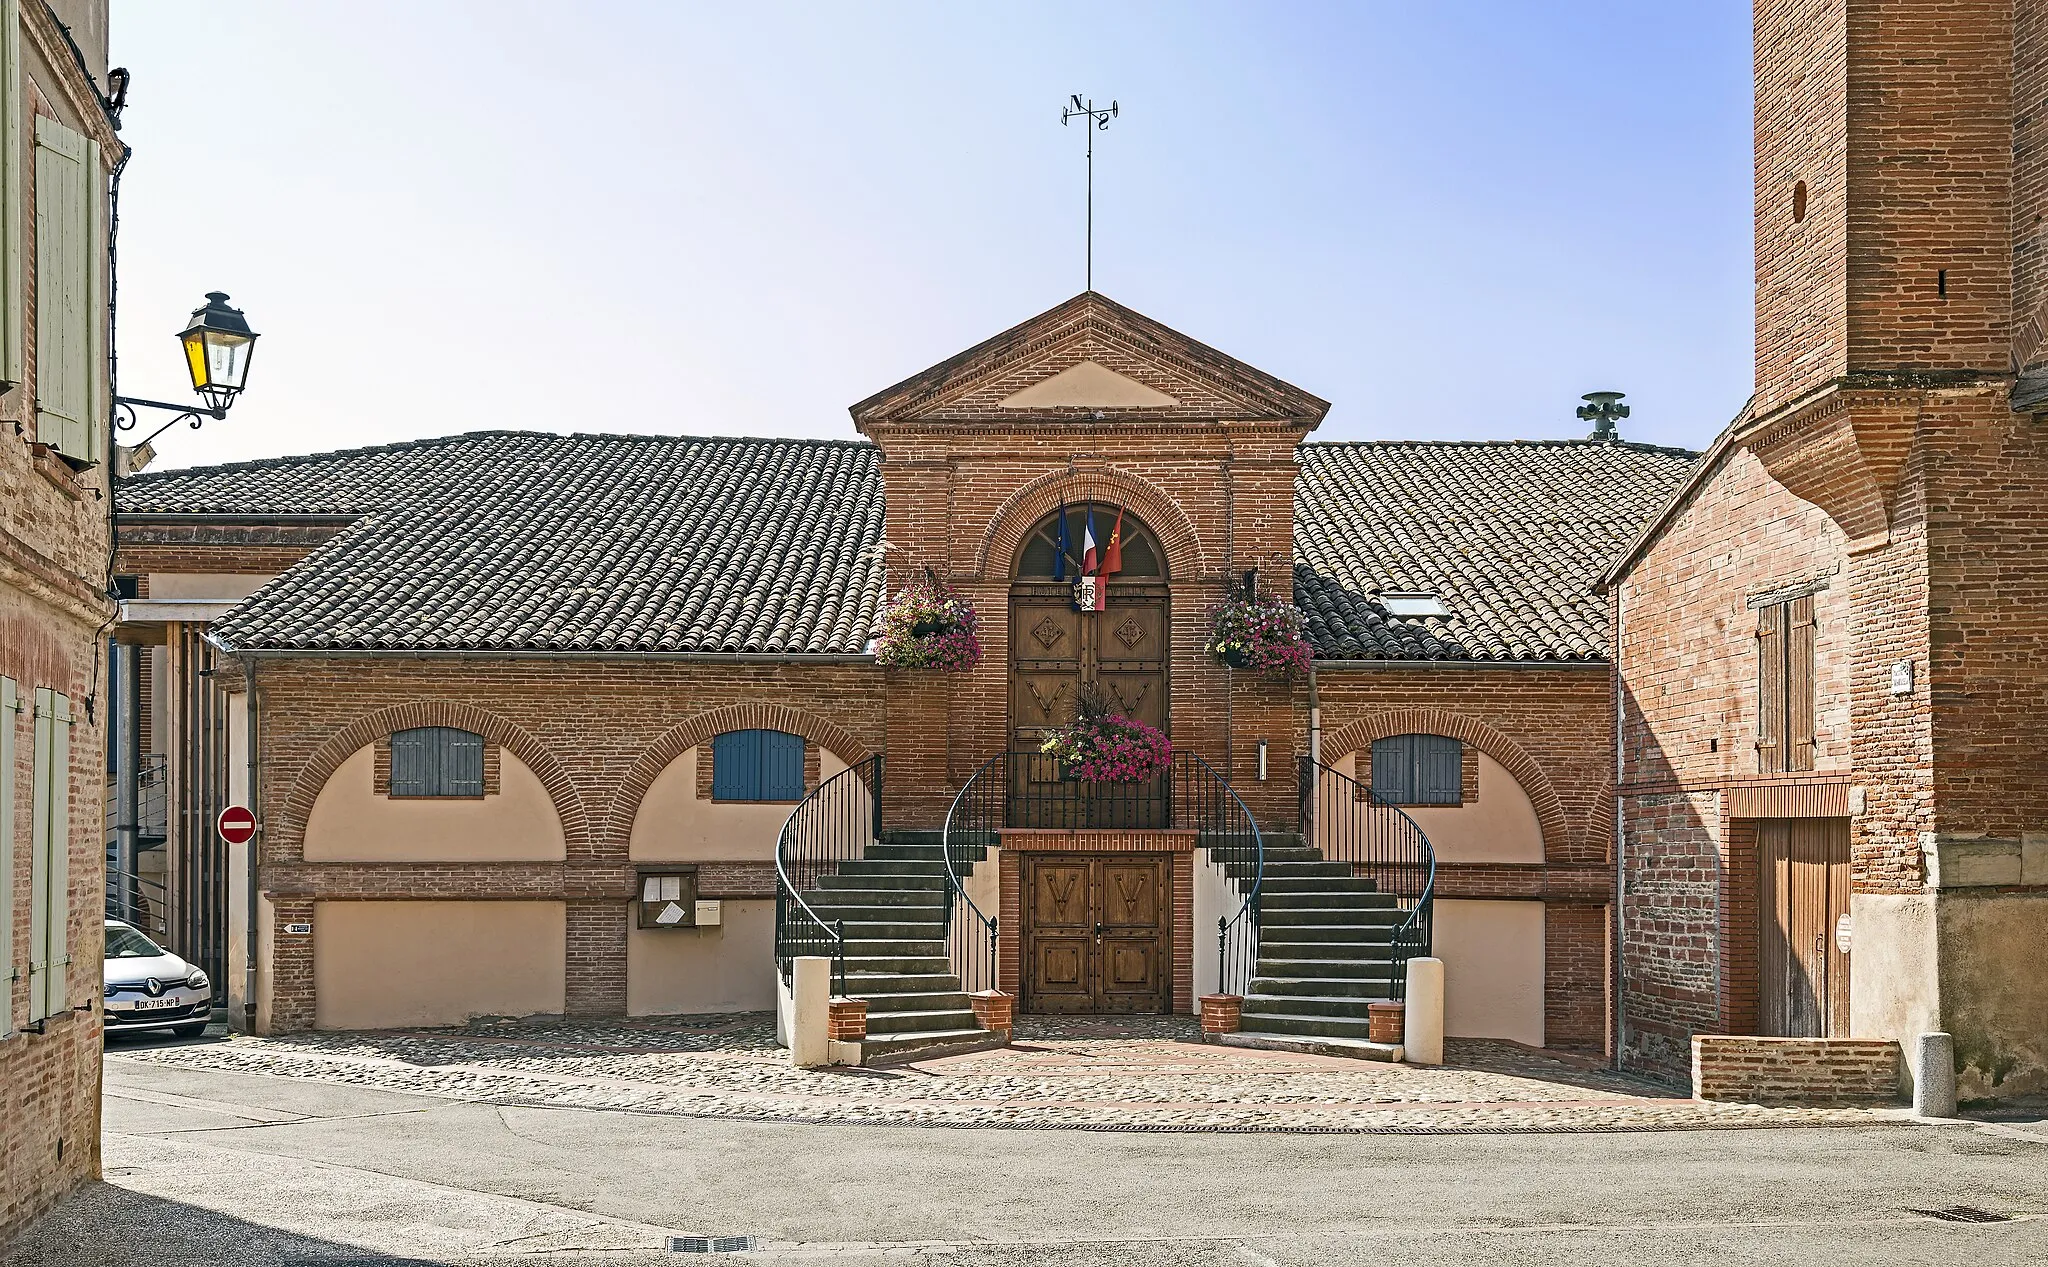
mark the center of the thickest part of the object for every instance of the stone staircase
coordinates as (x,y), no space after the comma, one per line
(1325,946)
(894,903)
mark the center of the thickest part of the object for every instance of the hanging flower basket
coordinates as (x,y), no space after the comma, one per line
(1099,746)
(928,626)
(1264,634)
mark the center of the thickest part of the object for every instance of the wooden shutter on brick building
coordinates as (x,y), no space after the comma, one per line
(1439,770)
(50,862)
(1393,767)
(1770,688)
(757,765)
(68,316)
(12,203)
(1799,684)
(10,711)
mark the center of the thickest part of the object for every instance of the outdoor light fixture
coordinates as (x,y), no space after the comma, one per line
(1603,410)
(217,343)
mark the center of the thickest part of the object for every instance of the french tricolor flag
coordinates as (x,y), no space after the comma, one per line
(1090,559)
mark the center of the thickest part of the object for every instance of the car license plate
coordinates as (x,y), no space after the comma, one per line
(151,1005)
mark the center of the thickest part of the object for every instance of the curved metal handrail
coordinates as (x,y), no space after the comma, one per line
(961,908)
(814,838)
(1243,926)
(1413,937)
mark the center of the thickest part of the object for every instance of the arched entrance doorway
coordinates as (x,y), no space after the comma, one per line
(1058,651)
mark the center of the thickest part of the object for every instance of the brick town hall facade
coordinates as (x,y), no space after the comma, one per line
(1646,746)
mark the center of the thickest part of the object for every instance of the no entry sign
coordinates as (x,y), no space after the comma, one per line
(236,825)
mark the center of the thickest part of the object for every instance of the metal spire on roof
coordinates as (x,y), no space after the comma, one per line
(1098,120)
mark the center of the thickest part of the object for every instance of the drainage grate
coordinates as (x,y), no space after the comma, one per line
(1964,1214)
(710,1244)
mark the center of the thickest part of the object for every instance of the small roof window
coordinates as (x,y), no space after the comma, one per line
(1413,603)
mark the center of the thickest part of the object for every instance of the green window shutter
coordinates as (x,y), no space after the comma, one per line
(64,291)
(39,856)
(10,712)
(57,950)
(13,203)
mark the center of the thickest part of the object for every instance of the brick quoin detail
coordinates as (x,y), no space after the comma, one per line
(287,836)
(1358,735)
(1185,558)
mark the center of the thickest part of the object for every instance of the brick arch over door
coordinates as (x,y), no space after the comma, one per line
(1185,559)
(290,842)
(1358,735)
(704,727)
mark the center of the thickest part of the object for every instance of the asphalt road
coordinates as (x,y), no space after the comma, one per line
(206,1168)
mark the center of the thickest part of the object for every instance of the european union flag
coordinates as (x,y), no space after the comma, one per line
(1059,558)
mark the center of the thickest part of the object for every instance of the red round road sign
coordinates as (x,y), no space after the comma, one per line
(236,825)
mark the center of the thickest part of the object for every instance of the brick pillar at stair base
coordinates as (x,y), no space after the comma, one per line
(1221,1013)
(846,1020)
(596,968)
(995,1010)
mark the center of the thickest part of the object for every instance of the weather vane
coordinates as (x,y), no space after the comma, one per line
(1098,120)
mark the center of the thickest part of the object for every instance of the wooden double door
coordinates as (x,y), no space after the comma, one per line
(1056,653)
(1098,933)
(1803,895)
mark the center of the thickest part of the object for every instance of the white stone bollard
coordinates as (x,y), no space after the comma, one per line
(1934,1084)
(810,988)
(1423,1020)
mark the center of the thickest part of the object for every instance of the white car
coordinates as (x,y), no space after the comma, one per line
(148,987)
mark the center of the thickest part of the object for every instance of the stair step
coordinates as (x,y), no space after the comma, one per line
(889,1022)
(883,1049)
(1309,1005)
(1291,967)
(874,882)
(934,866)
(1372,989)
(1360,919)
(1324,1026)
(886,957)
(949,1001)
(1328,1045)
(875,984)
(1281,883)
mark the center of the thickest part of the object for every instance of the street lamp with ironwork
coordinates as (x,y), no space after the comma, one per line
(218,342)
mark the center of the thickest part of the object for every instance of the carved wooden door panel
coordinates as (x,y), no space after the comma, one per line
(1097,934)
(1135,972)
(1059,935)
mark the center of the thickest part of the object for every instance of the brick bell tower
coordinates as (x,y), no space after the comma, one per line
(1902,386)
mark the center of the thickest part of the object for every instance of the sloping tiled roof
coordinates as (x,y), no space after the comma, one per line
(521,541)
(1513,536)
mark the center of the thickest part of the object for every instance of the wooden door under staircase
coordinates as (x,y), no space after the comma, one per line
(1097,934)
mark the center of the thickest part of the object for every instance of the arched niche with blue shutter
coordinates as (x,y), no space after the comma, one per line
(757,765)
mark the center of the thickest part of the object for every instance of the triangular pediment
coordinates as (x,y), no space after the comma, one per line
(1091,360)
(1087,385)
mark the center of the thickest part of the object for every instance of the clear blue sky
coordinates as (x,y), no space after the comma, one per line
(1448,218)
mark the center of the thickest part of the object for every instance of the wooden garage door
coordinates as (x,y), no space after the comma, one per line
(1804,893)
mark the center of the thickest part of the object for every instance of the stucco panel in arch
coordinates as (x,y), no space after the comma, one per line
(1358,735)
(674,824)
(350,822)
(288,841)
(1169,522)
(837,748)
(1500,826)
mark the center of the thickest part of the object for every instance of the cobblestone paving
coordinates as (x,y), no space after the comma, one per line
(1082,1073)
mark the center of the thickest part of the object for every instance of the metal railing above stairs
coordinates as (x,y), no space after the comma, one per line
(1030,790)
(834,824)
(1350,823)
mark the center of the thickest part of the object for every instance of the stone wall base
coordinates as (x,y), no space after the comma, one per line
(1795,1070)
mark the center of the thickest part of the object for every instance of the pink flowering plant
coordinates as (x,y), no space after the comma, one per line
(1268,635)
(1101,746)
(928,626)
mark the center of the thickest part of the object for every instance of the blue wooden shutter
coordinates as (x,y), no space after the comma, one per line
(1393,768)
(1439,770)
(461,763)
(409,763)
(736,766)
(782,766)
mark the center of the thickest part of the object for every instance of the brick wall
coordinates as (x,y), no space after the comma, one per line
(1795,1070)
